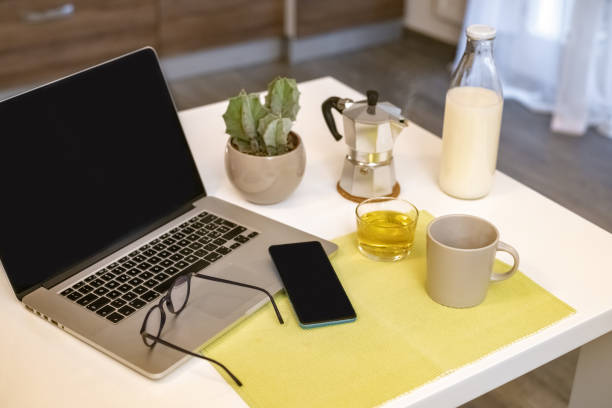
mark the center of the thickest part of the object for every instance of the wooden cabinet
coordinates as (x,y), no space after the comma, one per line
(193,24)
(44,39)
(320,16)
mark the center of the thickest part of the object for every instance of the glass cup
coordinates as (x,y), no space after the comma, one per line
(385,228)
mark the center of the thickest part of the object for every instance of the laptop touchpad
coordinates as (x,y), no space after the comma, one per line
(221,299)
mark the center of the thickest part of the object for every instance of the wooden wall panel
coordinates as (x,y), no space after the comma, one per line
(320,16)
(34,51)
(188,25)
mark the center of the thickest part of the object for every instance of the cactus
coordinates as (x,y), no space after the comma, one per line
(263,130)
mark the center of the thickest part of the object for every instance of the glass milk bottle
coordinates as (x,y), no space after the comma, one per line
(472,119)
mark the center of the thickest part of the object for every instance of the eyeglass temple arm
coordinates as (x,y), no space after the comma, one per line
(245,285)
(177,348)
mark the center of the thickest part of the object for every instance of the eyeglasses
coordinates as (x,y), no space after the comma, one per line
(175,301)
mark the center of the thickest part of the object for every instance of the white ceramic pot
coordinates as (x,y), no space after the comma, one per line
(266,179)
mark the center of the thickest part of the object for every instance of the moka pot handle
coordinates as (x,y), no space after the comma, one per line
(326,107)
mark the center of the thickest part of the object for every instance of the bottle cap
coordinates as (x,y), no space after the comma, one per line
(480,32)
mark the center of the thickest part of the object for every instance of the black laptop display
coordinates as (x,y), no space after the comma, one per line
(81,188)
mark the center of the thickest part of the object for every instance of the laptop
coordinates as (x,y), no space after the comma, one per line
(102,206)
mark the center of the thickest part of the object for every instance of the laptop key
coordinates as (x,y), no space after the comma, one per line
(186,251)
(178,236)
(219,221)
(171,271)
(211,227)
(86,289)
(149,296)
(129,264)
(164,254)
(253,234)
(133,272)
(137,303)
(119,270)
(212,257)
(101,291)
(98,304)
(155,241)
(124,288)
(164,236)
(181,264)
(113,294)
(191,258)
(223,250)
(166,263)
(78,285)
(145,275)
(208,218)
(223,229)
(74,296)
(123,278)
(107,276)
(195,245)
(113,265)
(193,237)
(235,245)
(111,284)
(66,292)
(105,311)
(149,252)
(101,272)
(201,253)
(118,303)
(213,234)
(174,248)
(126,310)
(140,290)
(123,260)
(229,223)
(154,260)
(156,269)
(97,282)
(203,214)
(241,238)
(134,253)
(86,299)
(210,247)
(90,278)
(114,317)
(204,240)
(129,296)
(187,230)
(219,241)
(234,233)
(151,283)
(162,276)
(176,257)
(144,266)
(135,281)
(139,258)
(169,241)
(197,225)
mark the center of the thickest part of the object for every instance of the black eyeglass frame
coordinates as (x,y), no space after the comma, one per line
(167,301)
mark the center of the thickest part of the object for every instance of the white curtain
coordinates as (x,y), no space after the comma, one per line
(553,56)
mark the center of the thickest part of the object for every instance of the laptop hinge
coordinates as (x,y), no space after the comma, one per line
(127,240)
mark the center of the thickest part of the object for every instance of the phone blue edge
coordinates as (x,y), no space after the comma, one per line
(313,325)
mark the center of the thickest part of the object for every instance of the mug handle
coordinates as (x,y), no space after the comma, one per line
(502,246)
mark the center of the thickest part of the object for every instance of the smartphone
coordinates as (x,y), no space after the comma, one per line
(312,285)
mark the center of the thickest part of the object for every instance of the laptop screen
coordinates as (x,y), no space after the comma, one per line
(86,162)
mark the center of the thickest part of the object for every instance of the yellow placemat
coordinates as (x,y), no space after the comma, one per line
(400,340)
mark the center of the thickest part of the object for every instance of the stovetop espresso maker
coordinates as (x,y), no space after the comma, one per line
(370,130)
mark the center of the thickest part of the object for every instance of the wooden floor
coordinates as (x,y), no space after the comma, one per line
(413,74)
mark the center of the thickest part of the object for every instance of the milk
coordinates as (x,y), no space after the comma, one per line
(470,138)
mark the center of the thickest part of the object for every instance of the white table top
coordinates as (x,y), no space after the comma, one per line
(567,255)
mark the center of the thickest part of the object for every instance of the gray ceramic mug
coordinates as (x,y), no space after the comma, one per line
(460,256)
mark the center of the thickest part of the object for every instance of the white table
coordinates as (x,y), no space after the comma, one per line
(570,257)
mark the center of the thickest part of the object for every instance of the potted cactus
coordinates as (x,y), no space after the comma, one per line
(264,159)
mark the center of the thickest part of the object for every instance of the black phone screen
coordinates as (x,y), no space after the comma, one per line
(315,291)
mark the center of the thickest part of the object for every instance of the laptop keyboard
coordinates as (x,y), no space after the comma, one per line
(128,284)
